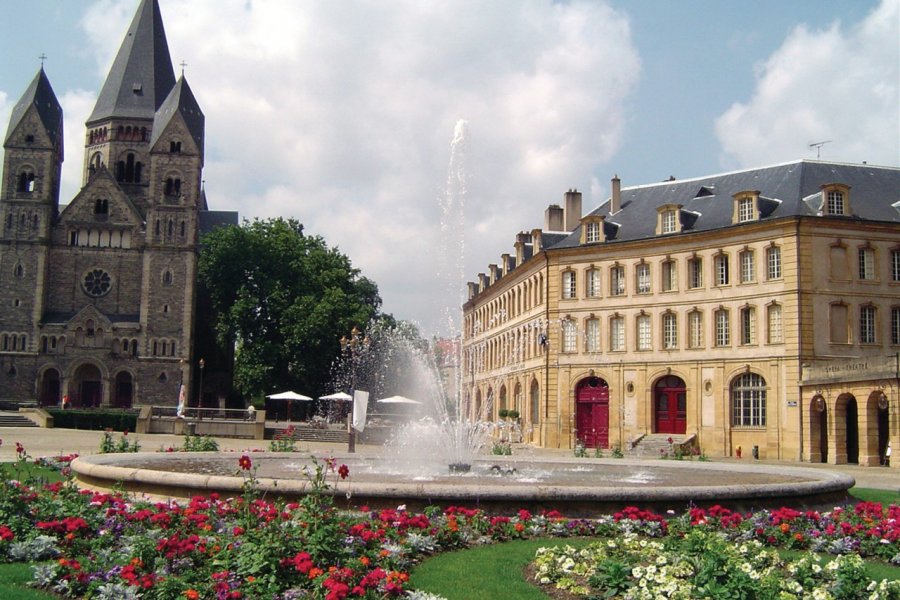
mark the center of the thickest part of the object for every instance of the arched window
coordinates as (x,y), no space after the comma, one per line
(19,271)
(167,277)
(748,401)
(26,182)
(535,403)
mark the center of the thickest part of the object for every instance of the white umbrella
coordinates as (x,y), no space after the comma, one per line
(398,400)
(338,396)
(289,396)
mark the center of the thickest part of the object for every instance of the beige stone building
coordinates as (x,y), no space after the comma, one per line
(98,297)
(755,312)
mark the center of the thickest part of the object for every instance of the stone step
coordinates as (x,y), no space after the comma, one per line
(656,444)
(11,419)
(313,434)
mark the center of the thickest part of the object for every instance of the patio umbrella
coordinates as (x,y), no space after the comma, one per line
(338,397)
(289,396)
(398,400)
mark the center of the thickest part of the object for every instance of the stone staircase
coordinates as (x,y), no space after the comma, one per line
(312,434)
(14,419)
(654,445)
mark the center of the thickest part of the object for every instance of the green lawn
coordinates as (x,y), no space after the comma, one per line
(13,583)
(490,572)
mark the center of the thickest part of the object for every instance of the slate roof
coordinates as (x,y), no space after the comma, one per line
(141,76)
(180,100)
(786,190)
(40,94)
(210,219)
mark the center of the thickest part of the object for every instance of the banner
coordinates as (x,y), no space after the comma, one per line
(360,408)
(179,412)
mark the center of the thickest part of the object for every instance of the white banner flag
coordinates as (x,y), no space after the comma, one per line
(179,412)
(360,408)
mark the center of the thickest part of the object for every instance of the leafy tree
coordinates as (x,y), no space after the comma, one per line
(285,298)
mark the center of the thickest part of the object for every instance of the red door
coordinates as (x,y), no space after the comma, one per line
(670,405)
(592,413)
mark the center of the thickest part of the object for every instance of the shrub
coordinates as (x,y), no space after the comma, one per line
(94,419)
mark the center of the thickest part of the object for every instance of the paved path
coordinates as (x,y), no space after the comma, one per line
(49,442)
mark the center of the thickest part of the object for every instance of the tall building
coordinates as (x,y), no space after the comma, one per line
(99,297)
(756,310)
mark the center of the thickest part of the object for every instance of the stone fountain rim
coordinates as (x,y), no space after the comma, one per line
(97,472)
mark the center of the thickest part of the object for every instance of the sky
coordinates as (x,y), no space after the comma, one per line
(341,114)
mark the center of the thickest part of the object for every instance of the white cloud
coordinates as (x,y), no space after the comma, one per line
(839,84)
(340,114)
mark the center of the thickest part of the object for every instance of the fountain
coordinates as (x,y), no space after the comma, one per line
(438,457)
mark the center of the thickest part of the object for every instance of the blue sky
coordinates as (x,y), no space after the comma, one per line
(341,114)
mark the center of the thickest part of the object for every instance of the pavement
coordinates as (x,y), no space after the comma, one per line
(40,442)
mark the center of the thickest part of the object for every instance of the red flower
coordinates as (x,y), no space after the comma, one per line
(244,462)
(344,471)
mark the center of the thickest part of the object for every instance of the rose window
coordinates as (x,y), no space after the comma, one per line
(96,283)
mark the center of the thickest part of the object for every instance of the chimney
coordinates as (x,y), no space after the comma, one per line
(553,218)
(615,203)
(482,282)
(536,245)
(494,273)
(504,265)
(572,209)
(522,238)
(473,289)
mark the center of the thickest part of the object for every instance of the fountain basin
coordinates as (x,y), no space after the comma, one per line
(574,487)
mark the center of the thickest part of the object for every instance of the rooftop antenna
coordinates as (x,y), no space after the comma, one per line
(818,147)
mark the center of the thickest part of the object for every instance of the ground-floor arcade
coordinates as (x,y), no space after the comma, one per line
(756,408)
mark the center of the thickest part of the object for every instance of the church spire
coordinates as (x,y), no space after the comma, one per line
(40,95)
(141,76)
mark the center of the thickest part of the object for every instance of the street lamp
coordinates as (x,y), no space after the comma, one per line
(200,394)
(351,349)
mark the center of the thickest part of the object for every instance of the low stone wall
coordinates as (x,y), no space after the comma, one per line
(229,428)
(38,416)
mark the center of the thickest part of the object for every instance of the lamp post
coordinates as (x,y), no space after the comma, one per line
(351,349)
(200,393)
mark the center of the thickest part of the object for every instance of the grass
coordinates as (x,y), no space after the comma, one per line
(22,471)
(885,497)
(14,580)
(492,571)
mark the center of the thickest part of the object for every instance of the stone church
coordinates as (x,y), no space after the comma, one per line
(99,297)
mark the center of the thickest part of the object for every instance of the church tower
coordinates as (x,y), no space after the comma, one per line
(98,297)
(29,201)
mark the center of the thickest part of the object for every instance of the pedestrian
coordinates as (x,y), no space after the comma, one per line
(65,402)
(251,413)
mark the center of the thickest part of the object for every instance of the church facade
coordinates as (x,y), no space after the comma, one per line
(98,298)
(753,312)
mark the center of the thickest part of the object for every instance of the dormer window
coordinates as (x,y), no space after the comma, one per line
(836,200)
(592,230)
(667,219)
(746,207)
(101,207)
(174,147)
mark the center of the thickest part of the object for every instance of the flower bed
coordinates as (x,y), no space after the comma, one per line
(115,546)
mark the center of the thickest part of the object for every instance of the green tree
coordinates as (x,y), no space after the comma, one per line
(285,298)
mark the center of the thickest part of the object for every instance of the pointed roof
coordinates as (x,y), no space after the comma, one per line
(181,101)
(40,94)
(141,75)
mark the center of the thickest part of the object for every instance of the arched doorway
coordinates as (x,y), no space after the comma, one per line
(123,394)
(87,385)
(501,403)
(49,388)
(670,405)
(882,420)
(592,412)
(476,413)
(851,420)
(818,427)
